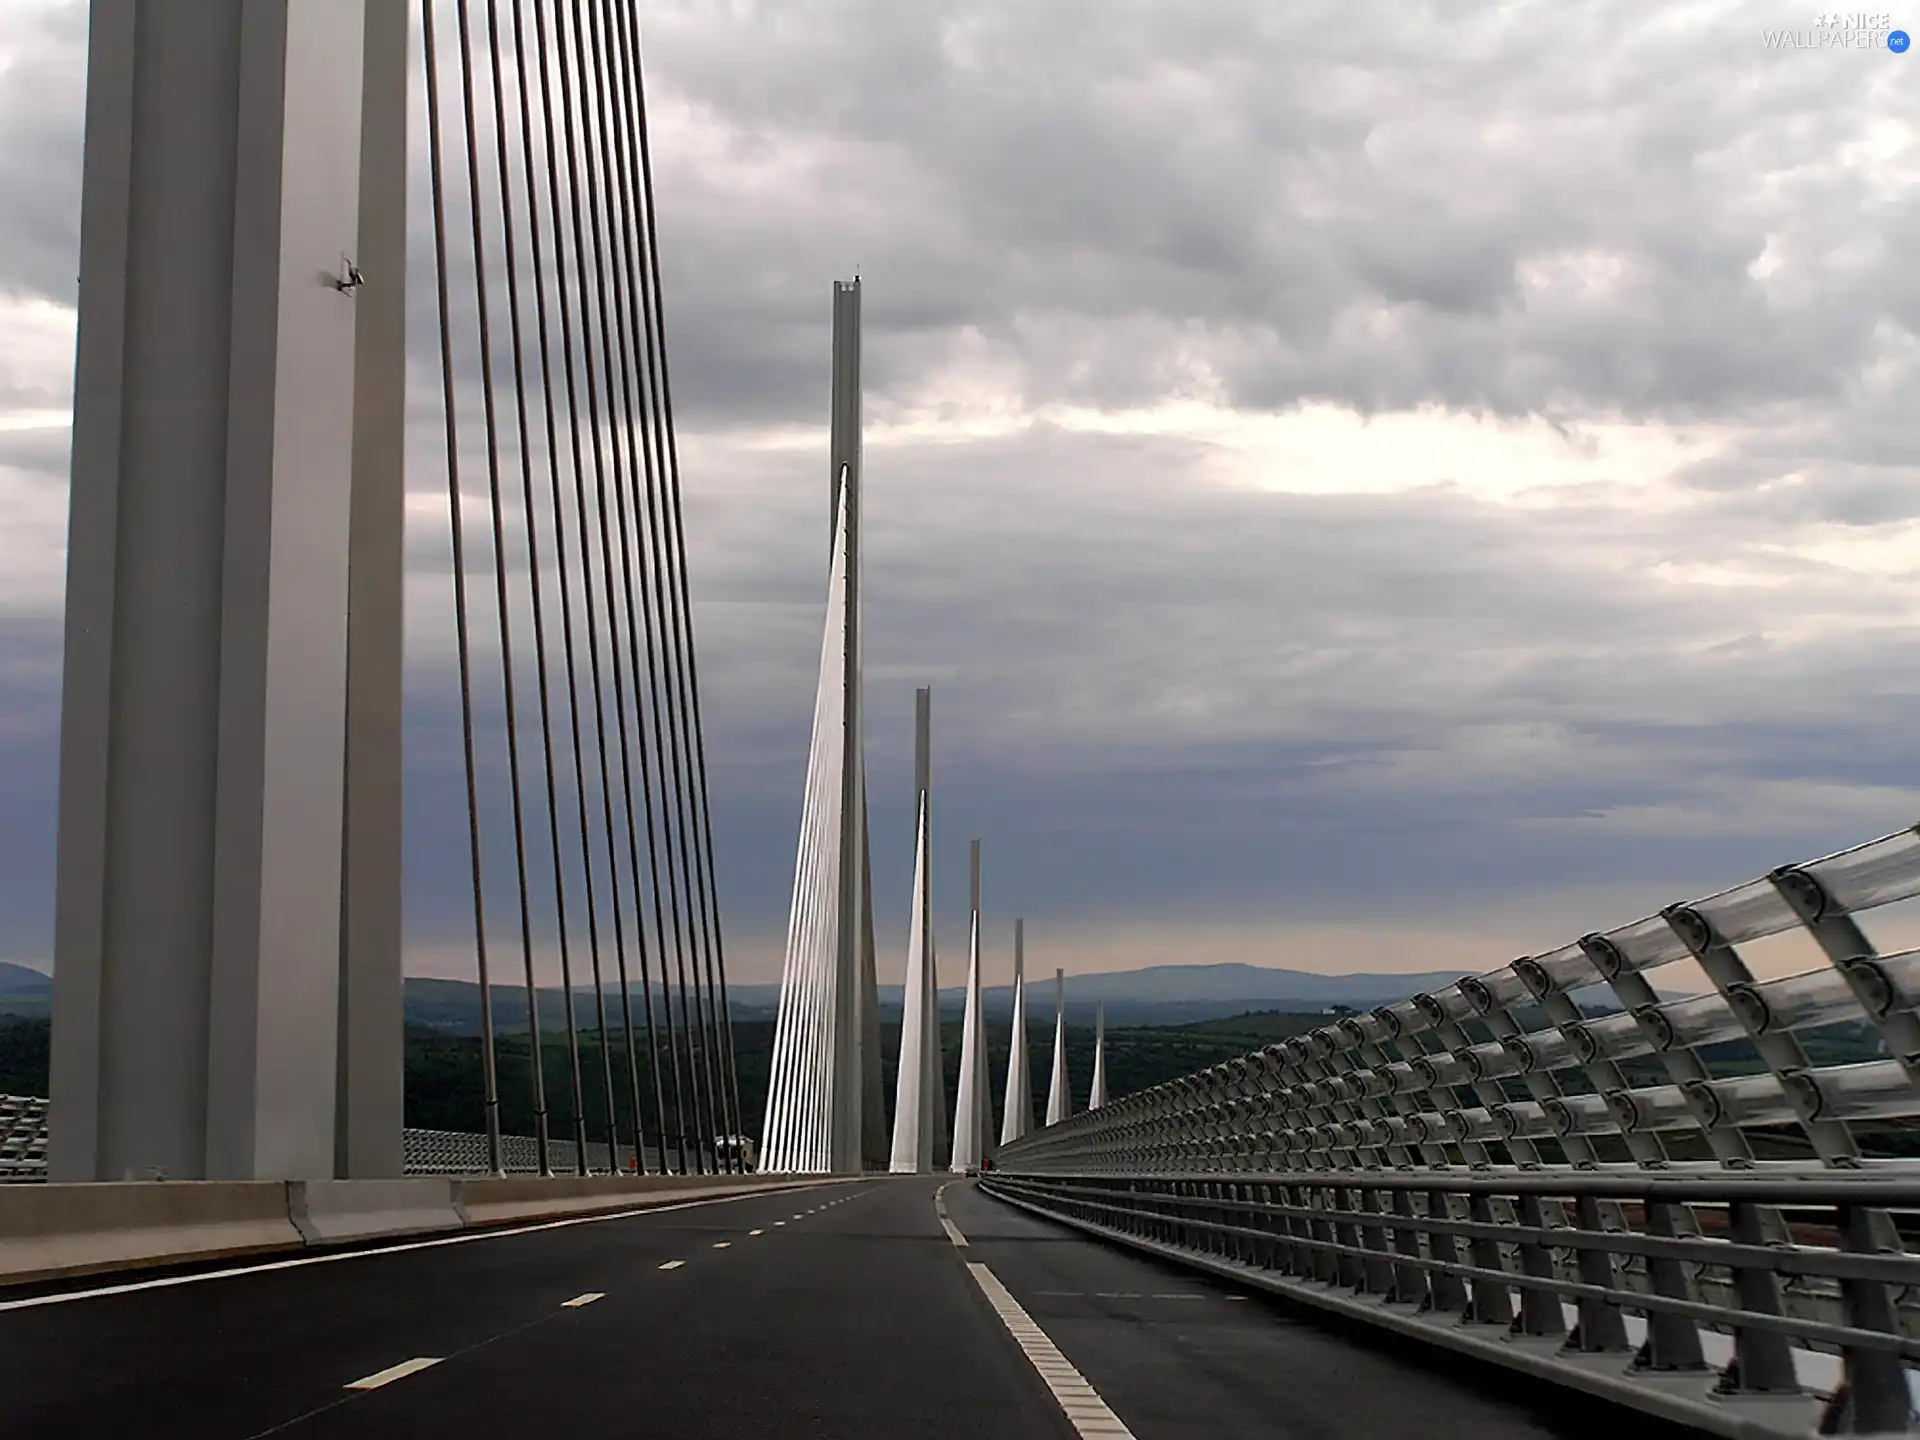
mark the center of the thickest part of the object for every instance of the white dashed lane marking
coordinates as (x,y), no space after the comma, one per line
(339,1257)
(393,1373)
(673,1265)
(587,1299)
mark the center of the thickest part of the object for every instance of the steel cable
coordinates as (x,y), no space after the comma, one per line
(471,135)
(666,748)
(568,77)
(543,325)
(435,168)
(664,755)
(605,252)
(592,82)
(689,673)
(567,368)
(510,251)
(616,211)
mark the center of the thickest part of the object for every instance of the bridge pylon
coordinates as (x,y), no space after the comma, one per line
(825,1112)
(918,1108)
(1097,1094)
(1059,1092)
(1017,1113)
(973,1106)
(227,986)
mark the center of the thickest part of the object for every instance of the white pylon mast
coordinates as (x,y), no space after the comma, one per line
(971,1117)
(1059,1097)
(824,1109)
(917,1087)
(800,1108)
(1097,1096)
(1017,1113)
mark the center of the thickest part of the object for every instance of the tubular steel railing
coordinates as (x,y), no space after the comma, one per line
(1727,1182)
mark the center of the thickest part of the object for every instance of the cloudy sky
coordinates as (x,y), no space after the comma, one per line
(1368,493)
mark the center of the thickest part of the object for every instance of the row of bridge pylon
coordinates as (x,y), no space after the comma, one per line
(825,1104)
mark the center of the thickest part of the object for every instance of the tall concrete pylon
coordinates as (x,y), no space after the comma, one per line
(1017,1113)
(972,1114)
(1097,1095)
(1059,1095)
(917,1107)
(227,934)
(824,1107)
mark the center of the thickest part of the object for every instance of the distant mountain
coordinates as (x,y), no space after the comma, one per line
(1158,995)
(1277,988)
(1209,985)
(23,980)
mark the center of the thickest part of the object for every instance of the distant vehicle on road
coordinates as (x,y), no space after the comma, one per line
(737,1148)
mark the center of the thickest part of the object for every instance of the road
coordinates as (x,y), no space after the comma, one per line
(843,1311)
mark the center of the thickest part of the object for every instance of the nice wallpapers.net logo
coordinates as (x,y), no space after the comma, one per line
(1842,32)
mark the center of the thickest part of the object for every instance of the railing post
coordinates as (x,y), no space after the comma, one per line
(1673,1341)
(1352,1273)
(1602,1328)
(1873,1398)
(1409,1281)
(1446,1292)
(1266,1249)
(1326,1262)
(1762,1359)
(1379,1272)
(1298,1258)
(1540,1312)
(1491,1303)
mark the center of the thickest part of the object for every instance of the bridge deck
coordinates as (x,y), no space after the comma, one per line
(842,1311)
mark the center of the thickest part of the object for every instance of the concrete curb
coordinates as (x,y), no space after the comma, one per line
(53,1232)
(329,1212)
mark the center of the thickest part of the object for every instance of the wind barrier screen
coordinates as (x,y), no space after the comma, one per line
(1744,1159)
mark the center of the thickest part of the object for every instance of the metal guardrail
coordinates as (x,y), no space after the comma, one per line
(1678,1167)
(454,1152)
(1722,1304)
(23,1138)
(23,1149)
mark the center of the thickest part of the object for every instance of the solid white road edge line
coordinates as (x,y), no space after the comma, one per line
(1082,1403)
(168,1281)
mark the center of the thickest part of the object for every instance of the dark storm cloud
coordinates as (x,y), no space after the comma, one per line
(1160,691)
(41,451)
(1517,209)
(29,769)
(42,114)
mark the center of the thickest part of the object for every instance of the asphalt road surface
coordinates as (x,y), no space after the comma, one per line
(842,1311)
